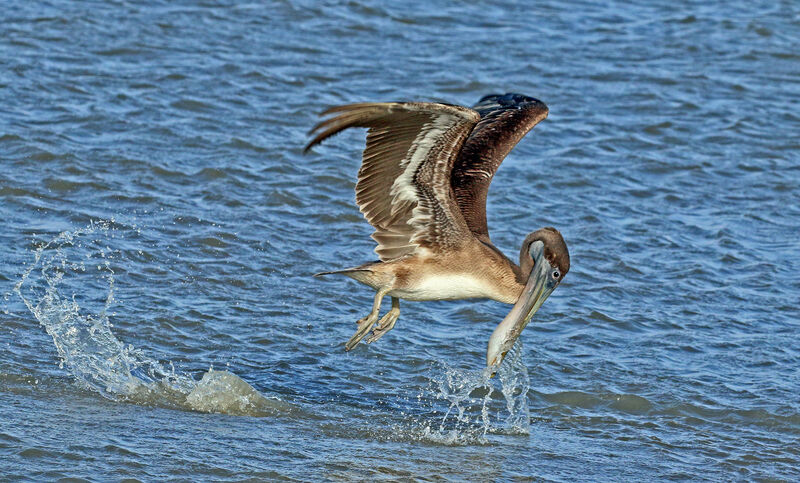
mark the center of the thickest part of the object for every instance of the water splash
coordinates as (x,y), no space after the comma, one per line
(515,384)
(60,289)
(476,406)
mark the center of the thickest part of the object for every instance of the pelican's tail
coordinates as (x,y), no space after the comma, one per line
(347,271)
(363,273)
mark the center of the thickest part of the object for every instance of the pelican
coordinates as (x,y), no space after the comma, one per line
(422,185)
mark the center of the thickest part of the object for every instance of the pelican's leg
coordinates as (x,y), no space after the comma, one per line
(387,321)
(367,322)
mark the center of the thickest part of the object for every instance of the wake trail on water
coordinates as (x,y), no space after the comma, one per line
(60,289)
(70,289)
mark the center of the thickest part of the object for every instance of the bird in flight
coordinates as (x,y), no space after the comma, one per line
(422,185)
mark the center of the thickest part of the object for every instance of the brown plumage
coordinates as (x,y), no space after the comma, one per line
(423,183)
(505,120)
(419,210)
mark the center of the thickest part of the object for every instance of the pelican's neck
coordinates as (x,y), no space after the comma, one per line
(525,265)
(520,272)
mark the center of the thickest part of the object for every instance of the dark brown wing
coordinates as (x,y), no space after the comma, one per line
(505,119)
(403,186)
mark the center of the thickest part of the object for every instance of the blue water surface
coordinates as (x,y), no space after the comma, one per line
(160,226)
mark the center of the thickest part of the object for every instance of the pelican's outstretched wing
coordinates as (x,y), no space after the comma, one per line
(505,119)
(403,186)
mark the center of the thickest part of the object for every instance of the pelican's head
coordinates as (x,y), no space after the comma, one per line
(544,260)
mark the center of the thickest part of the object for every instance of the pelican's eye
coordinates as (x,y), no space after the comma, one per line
(556,274)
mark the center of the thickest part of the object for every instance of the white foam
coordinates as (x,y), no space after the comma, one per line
(225,392)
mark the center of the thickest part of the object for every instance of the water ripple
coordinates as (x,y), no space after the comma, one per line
(668,161)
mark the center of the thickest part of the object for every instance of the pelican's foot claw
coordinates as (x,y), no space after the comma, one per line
(384,325)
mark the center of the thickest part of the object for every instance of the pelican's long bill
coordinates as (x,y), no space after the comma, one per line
(539,286)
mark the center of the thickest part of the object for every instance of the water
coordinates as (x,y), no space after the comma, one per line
(160,225)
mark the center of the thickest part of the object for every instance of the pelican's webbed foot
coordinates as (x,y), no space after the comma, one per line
(387,321)
(366,323)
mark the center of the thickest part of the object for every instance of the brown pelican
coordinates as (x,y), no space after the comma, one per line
(423,181)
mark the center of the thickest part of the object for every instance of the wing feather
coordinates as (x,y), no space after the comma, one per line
(403,186)
(505,120)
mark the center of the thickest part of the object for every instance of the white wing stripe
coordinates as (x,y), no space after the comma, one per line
(403,188)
